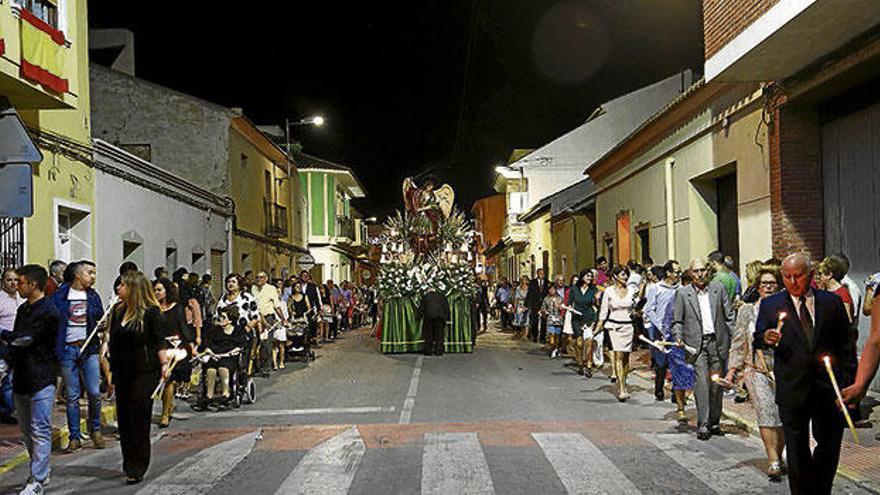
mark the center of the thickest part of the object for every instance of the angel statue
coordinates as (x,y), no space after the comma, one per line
(428,202)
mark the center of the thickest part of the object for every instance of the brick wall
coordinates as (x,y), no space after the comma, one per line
(724,19)
(796,182)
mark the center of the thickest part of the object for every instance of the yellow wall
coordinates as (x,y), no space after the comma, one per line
(709,150)
(248,191)
(59,179)
(572,240)
(540,240)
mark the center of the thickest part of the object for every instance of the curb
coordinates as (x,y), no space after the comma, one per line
(60,436)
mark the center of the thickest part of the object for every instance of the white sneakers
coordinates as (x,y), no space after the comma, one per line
(32,488)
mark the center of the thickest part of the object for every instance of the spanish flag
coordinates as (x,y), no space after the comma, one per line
(42,53)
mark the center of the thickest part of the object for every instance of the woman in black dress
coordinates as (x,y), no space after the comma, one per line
(138,360)
(176,332)
(223,338)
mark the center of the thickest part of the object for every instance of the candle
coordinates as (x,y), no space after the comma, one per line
(384,247)
(849,422)
(779,323)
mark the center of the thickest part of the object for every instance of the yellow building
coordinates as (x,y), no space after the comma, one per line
(44,73)
(269,209)
(689,181)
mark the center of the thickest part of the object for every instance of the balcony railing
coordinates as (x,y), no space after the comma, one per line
(345,227)
(276,219)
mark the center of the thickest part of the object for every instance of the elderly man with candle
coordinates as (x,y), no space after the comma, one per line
(816,326)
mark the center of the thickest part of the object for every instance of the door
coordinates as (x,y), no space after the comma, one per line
(728,221)
(623,238)
(851,182)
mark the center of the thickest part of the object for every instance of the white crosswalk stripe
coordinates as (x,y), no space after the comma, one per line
(454,463)
(197,474)
(581,466)
(724,473)
(327,468)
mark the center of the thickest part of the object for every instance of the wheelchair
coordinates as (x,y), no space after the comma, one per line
(242,389)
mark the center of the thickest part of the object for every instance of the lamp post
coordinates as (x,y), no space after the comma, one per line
(315,120)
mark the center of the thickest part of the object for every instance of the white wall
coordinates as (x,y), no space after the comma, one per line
(123,209)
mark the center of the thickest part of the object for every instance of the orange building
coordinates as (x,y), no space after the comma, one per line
(489,216)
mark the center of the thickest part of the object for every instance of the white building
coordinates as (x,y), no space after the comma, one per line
(154,218)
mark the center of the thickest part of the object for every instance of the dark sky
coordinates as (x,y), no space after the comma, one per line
(453,84)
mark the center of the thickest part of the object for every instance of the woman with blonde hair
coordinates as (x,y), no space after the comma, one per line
(138,361)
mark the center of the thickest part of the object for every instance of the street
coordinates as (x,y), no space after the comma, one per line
(505,419)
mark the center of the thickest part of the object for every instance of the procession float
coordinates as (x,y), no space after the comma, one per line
(427,246)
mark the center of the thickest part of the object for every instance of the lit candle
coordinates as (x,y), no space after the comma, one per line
(779,323)
(849,422)
(384,247)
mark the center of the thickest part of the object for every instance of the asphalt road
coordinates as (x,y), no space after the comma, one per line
(505,419)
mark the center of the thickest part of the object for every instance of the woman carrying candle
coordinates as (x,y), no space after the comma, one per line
(582,297)
(756,367)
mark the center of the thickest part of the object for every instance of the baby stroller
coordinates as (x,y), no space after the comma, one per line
(242,389)
(299,343)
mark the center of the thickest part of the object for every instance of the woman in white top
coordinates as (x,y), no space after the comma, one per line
(614,315)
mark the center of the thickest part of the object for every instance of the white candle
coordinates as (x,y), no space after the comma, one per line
(849,421)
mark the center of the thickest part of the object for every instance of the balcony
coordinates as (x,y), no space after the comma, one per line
(275,217)
(344,229)
(38,68)
(515,231)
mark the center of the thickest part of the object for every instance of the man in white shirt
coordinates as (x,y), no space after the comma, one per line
(9,303)
(703,319)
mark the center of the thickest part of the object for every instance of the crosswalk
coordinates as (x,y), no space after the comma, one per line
(459,462)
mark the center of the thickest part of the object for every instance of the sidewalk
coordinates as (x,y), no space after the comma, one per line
(12,449)
(858,463)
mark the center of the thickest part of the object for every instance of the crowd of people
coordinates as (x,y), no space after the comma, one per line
(156,338)
(761,337)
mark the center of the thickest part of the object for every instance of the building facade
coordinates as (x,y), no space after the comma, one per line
(151,217)
(44,74)
(218,149)
(334,235)
(688,181)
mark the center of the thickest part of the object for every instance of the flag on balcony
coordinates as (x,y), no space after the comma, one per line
(42,53)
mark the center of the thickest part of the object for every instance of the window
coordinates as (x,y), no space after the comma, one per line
(517,203)
(244,160)
(170,258)
(73,233)
(46,10)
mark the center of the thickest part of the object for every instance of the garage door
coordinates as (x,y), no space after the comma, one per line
(851,177)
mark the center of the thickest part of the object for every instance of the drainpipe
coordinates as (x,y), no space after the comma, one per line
(670,210)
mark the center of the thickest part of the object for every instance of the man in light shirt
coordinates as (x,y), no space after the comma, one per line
(703,320)
(268,305)
(9,303)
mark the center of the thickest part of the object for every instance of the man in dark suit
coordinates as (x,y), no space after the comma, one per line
(534,298)
(815,325)
(435,313)
(702,319)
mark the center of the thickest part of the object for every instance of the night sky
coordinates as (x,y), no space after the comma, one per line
(451,85)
